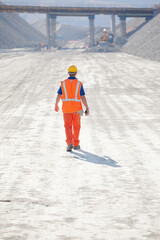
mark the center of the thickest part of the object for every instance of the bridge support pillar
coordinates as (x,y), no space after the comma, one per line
(113,24)
(91,31)
(53,30)
(48,27)
(123,26)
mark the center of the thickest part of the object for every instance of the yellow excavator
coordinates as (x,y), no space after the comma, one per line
(106,40)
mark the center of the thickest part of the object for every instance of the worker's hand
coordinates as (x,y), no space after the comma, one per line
(87,112)
(56,108)
(81,112)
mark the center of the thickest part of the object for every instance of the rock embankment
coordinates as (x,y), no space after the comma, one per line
(146,41)
(16,32)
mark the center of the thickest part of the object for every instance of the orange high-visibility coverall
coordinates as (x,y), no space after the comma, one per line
(71,105)
(72,124)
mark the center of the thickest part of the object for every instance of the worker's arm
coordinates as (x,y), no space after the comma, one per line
(84,101)
(57,101)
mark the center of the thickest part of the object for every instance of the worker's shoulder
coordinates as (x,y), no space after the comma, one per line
(64,80)
(79,81)
(69,79)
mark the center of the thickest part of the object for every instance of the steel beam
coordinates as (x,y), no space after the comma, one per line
(142,15)
(72,14)
(73,10)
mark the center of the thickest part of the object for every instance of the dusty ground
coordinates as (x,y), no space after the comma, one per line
(110,190)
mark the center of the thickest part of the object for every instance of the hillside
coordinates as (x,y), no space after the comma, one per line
(145,42)
(132,25)
(16,32)
(66,31)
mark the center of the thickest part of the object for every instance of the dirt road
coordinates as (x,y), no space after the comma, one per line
(110,190)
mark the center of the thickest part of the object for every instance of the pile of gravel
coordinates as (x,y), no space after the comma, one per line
(146,41)
(16,32)
(131,25)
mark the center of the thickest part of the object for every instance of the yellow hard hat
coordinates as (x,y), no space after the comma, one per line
(72,69)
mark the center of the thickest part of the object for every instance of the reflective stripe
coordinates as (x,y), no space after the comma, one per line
(64,86)
(77,90)
(70,99)
(76,93)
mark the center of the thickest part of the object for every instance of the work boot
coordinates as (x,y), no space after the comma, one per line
(77,147)
(69,148)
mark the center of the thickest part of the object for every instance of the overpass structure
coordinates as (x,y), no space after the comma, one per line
(90,12)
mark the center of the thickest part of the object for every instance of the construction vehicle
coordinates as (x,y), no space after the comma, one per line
(106,41)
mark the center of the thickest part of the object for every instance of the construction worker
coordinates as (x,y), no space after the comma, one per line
(72,94)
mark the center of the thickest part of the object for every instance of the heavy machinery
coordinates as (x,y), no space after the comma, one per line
(106,41)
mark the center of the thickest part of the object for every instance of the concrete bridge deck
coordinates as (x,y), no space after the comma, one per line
(79,10)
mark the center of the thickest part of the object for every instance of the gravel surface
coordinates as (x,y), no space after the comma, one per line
(109,190)
(145,42)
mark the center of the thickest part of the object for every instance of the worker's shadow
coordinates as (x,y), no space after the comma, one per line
(93,158)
